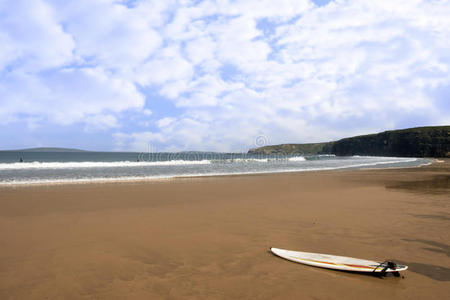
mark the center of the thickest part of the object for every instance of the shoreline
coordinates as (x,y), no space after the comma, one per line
(149,179)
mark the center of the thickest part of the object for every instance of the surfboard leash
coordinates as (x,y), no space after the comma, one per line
(387,264)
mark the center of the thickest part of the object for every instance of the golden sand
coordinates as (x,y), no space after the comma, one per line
(208,238)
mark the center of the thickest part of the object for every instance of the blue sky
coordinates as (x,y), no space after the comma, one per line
(218,75)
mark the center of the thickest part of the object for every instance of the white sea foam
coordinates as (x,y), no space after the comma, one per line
(96,164)
(240,160)
(296,158)
(264,160)
(258,160)
(172,176)
(116,164)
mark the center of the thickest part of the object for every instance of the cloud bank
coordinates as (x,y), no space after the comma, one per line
(215,75)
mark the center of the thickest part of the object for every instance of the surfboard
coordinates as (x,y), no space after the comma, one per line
(337,262)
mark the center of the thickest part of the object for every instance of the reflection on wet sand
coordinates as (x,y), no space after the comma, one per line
(435,217)
(434,272)
(439,184)
(438,247)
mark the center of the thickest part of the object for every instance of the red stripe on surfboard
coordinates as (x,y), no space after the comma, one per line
(358,266)
(330,263)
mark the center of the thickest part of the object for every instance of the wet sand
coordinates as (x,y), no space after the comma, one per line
(208,238)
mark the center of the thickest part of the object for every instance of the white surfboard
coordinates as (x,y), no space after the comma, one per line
(335,262)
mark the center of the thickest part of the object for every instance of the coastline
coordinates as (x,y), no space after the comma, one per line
(207,237)
(130,179)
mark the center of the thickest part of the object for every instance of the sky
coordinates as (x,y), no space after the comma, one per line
(224,75)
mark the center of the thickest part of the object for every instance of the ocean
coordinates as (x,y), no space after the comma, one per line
(78,167)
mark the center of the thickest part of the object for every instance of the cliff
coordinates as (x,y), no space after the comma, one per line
(413,142)
(313,148)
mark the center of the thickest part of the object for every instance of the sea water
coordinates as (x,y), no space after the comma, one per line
(67,167)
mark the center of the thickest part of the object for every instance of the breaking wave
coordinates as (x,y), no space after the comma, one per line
(97,164)
(118,164)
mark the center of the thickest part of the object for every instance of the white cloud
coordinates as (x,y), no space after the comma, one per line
(280,10)
(164,122)
(235,70)
(139,142)
(99,122)
(68,95)
(147,112)
(238,44)
(201,49)
(167,66)
(31,37)
(66,62)
(109,33)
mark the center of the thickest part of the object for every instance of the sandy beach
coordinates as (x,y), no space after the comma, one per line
(208,238)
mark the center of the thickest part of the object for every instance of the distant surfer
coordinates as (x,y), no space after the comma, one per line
(21,159)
